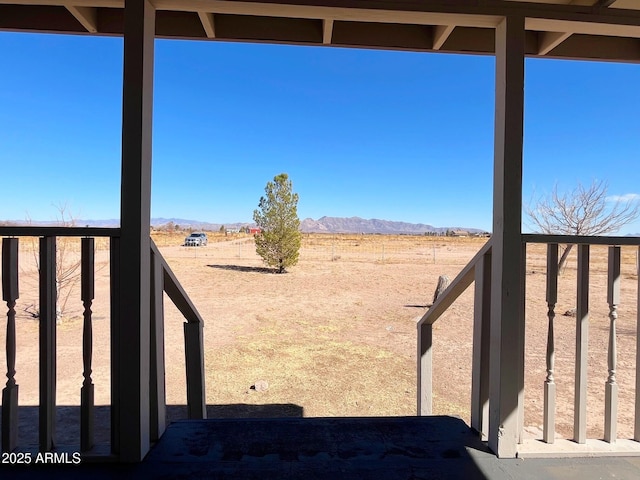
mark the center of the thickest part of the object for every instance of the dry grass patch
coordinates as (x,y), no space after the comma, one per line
(323,375)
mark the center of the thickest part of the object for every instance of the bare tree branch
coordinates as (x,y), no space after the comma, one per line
(582,211)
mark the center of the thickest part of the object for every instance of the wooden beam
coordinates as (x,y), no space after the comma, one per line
(440,35)
(87,16)
(64,3)
(507,324)
(597,33)
(208,24)
(353,11)
(587,28)
(547,41)
(469,13)
(327,31)
(133,331)
(591,47)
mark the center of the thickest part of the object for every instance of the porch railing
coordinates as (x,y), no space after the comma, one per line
(162,280)
(478,270)
(613,299)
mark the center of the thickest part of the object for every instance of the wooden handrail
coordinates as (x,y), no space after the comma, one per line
(38,231)
(579,239)
(478,270)
(193,338)
(455,288)
(425,338)
(175,291)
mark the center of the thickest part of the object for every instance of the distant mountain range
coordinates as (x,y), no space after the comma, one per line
(308,225)
(361,225)
(327,225)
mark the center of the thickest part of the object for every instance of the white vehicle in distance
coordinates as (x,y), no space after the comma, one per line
(196,239)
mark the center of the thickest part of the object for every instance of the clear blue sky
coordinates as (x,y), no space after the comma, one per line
(375,134)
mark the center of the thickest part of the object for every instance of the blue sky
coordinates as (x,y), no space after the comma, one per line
(375,134)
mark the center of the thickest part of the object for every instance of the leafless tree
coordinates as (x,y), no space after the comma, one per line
(582,211)
(67,262)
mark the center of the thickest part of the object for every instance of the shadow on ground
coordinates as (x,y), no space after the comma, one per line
(387,448)
(243,268)
(68,420)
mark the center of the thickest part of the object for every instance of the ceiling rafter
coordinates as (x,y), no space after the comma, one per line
(464,13)
(440,35)
(604,3)
(579,29)
(547,41)
(208,24)
(87,16)
(327,31)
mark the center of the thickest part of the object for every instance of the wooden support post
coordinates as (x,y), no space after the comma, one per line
(611,386)
(636,429)
(521,339)
(194,352)
(481,341)
(10,391)
(135,210)
(87,391)
(47,319)
(549,422)
(507,324)
(157,375)
(114,279)
(582,346)
(425,369)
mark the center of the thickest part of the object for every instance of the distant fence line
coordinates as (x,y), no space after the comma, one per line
(360,248)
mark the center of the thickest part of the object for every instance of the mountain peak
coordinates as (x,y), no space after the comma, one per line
(359,225)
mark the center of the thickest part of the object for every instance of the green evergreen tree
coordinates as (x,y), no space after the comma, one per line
(278,242)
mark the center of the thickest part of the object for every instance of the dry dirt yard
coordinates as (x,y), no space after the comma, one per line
(336,335)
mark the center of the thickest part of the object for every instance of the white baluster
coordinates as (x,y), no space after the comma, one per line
(611,387)
(549,384)
(10,392)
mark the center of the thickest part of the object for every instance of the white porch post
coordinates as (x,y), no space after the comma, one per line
(507,323)
(132,325)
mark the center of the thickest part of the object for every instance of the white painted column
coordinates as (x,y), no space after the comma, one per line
(131,375)
(507,322)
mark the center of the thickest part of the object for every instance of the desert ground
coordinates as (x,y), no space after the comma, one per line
(335,336)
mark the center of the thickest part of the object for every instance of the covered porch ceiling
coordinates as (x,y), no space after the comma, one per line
(571,29)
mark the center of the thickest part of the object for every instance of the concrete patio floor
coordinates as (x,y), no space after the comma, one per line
(334,448)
